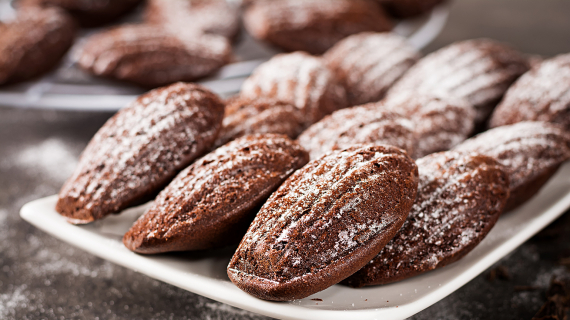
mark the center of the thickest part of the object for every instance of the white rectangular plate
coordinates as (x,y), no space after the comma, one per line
(204,273)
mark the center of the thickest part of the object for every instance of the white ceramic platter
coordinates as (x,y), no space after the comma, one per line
(69,88)
(204,273)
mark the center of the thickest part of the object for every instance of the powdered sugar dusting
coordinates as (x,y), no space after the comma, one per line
(52,158)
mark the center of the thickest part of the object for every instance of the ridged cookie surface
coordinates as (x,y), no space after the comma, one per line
(140,149)
(542,94)
(366,124)
(212,202)
(33,43)
(313,26)
(325,222)
(300,79)
(460,197)
(530,151)
(479,71)
(368,64)
(263,115)
(152,56)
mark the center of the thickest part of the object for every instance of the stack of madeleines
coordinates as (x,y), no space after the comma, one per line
(364,166)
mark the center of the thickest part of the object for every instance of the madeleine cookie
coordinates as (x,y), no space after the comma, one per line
(212,202)
(325,222)
(151,56)
(216,17)
(542,94)
(479,71)
(440,123)
(366,124)
(33,43)
(530,151)
(299,79)
(368,64)
(264,115)
(460,197)
(88,13)
(139,150)
(313,26)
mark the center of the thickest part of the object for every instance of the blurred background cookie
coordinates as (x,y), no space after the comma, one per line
(33,43)
(368,64)
(88,13)
(151,56)
(300,79)
(313,26)
(216,17)
(541,94)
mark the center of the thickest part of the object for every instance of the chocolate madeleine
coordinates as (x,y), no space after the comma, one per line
(152,56)
(366,124)
(479,71)
(217,17)
(541,94)
(89,13)
(264,115)
(325,222)
(531,152)
(300,79)
(139,150)
(368,64)
(460,197)
(212,202)
(313,26)
(440,122)
(33,43)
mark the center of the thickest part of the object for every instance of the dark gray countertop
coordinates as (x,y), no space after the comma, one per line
(44,278)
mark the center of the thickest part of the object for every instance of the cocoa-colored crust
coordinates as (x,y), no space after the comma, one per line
(479,71)
(264,115)
(460,197)
(216,17)
(368,64)
(151,56)
(325,222)
(541,94)
(403,9)
(313,26)
(33,43)
(440,122)
(365,124)
(140,149)
(300,79)
(89,13)
(530,151)
(212,202)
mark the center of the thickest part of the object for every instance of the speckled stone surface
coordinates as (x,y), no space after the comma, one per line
(44,278)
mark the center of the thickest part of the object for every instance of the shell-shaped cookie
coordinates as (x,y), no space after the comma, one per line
(541,94)
(366,124)
(212,202)
(440,123)
(151,56)
(33,43)
(89,13)
(530,151)
(325,222)
(140,149)
(216,17)
(460,197)
(313,26)
(300,79)
(368,64)
(264,115)
(479,71)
